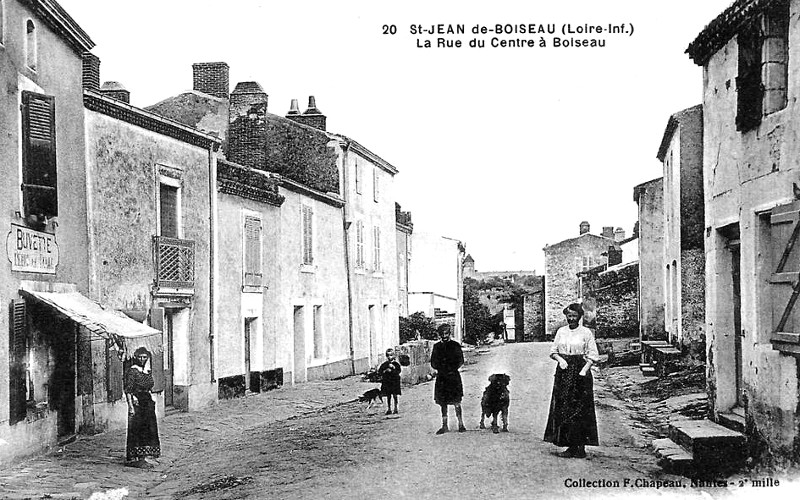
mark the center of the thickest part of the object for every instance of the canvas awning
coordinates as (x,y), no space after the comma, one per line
(127,333)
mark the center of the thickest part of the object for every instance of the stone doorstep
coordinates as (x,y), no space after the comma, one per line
(732,421)
(673,456)
(707,440)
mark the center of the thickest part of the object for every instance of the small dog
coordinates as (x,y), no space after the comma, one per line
(495,400)
(370,396)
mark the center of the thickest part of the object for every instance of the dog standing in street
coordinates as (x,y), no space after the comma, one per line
(369,397)
(495,400)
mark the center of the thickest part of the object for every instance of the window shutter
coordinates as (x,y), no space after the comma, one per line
(168,200)
(785,278)
(359,244)
(252,251)
(17,394)
(358,178)
(308,254)
(39,177)
(157,321)
(114,372)
(375,184)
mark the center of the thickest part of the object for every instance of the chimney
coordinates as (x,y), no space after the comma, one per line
(312,117)
(211,78)
(614,256)
(91,71)
(247,112)
(619,234)
(584,227)
(608,232)
(115,90)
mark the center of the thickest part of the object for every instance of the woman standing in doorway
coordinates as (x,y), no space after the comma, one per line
(572,420)
(143,445)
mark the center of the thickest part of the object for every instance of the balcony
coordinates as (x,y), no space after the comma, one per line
(174,265)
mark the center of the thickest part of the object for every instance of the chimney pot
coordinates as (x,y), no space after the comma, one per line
(294,109)
(584,228)
(116,90)
(619,234)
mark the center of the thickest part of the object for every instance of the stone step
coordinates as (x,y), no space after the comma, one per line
(648,370)
(671,456)
(732,421)
(711,445)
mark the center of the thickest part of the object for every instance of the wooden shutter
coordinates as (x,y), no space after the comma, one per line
(749,87)
(168,204)
(114,372)
(39,177)
(785,278)
(376,257)
(18,391)
(375,184)
(358,178)
(308,249)
(252,251)
(158,322)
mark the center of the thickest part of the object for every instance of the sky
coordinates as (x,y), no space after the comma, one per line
(506,149)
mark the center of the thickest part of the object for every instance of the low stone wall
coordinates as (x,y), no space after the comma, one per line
(419,352)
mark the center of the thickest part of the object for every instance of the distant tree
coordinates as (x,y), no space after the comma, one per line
(417,323)
(479,324)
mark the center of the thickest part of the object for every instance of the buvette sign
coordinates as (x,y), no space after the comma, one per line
(31,251)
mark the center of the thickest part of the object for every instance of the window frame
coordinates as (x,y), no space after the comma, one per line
(307,236)
(33,166)
(171,182)
(256,282)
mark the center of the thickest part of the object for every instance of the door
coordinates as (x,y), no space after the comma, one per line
(372,335)
(169,358)
(299,374)
(62,393)
(247,335)
(737,318)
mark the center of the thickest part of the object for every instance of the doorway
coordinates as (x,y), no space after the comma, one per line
(62,386)
(734,247)
(248,346)
(299,374)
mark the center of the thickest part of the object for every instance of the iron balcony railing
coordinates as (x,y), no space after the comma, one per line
(174,262)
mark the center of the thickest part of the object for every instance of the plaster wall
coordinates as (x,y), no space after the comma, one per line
(651,260)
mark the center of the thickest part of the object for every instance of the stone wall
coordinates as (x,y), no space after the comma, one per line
(618,302)
(534,317)
(693,304)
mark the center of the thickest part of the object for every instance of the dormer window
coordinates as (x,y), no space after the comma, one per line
(30,45)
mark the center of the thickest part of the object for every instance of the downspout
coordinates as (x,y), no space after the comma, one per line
(345,227)
(212,222)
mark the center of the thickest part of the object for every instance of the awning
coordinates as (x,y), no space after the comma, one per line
(127,333)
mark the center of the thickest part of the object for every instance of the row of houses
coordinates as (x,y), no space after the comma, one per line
(718,266)
(244,248)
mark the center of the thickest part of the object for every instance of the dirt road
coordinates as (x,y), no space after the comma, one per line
(346,452)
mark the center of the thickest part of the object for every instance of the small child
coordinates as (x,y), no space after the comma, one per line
(390,380)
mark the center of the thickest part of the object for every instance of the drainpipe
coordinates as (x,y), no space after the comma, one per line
(212,229)
(345,213)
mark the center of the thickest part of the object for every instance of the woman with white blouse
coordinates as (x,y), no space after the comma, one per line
(572,420)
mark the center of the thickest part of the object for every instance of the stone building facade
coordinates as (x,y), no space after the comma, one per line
(681,154)
(563,261)
(533,312)
(750,58)
(649,197)
(405,229)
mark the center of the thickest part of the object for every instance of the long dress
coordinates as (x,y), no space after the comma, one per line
(572,421)
(142,425)
(446,359)
(390,377)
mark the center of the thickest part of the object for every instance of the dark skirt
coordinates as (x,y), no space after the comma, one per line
(572,420)
(390,385)
(143,430)
(448,389)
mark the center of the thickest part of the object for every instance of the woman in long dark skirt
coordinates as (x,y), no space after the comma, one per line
(572,422)
(143,445)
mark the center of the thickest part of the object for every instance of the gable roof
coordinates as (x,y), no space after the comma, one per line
(672,124)
(583,236)
(62,23)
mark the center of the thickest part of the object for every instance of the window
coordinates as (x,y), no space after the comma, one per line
(169,210)
(308,233)
(376,249)
(252,252)
(763,64)
(587,262)
(317,326)
(376,184)
(30,45)
(360,244)
(39,179)
(359,180)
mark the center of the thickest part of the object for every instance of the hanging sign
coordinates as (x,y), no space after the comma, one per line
(31,251)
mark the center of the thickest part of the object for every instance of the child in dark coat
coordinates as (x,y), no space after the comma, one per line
(390,380)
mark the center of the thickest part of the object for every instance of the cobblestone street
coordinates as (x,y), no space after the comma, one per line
(314,441)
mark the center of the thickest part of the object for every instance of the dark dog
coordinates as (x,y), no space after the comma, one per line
(495,400)
(370,396)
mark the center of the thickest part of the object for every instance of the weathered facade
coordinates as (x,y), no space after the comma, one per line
(681,153)
(649,197)
(563,261)
(533,312)
(614,290)
(750,57)
(46,247)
